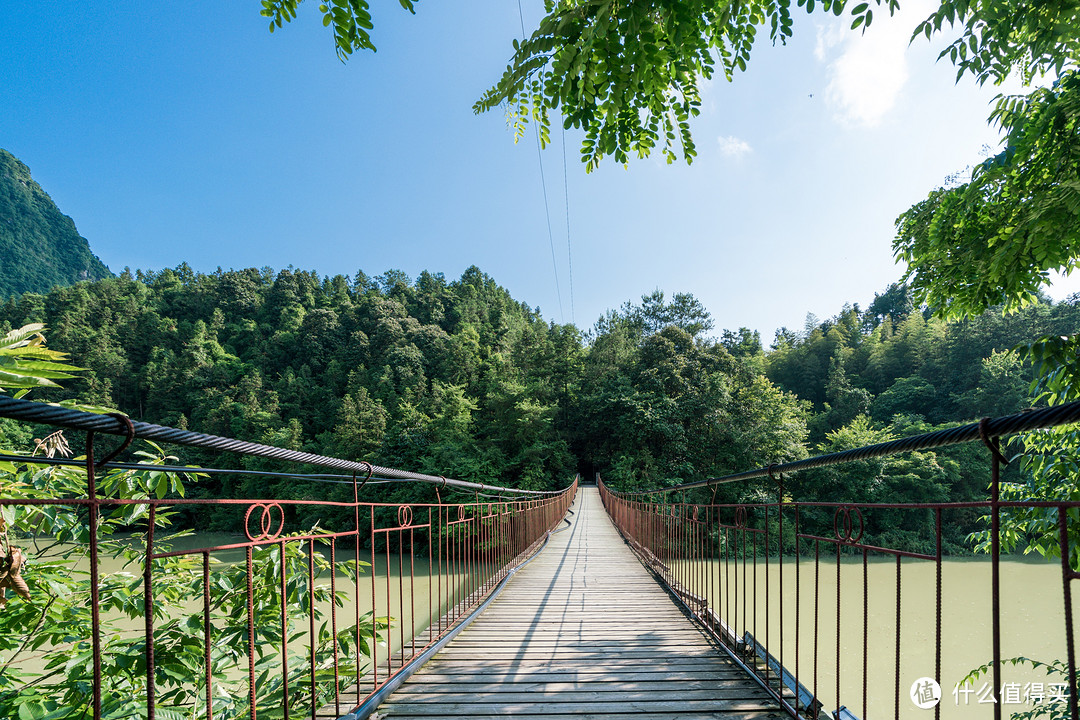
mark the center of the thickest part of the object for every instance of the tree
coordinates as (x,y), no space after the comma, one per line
(993,240)
(350,21)
(627,74)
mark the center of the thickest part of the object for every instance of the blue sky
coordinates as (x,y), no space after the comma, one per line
(175,133)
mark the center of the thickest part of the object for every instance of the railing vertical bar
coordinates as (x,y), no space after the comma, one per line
(311,620)
(207,637)
(474,554)
(780,549)
(251,635)
(284,634)
(838,569)
(995,569)
(374,606)
(433,612)
(865,627)
(728,592)
(896,670)
(439,527)
(714,569)
(700,589)
(798,595)
(401,590)
(937,608)
(817,595)
(768,637)
(95,590)
(412,586)
(1067,574)
(742,531)
(356,585)
(453,583)
(148,613)
(389,608)
(333,622)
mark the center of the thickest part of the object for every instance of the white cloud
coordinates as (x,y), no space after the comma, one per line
(868,74)
(733,147)
(828,38)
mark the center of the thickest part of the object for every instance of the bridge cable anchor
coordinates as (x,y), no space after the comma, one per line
(989,442)
(370,472)
(129,434)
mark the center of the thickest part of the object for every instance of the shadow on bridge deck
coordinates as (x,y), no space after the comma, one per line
(582,631)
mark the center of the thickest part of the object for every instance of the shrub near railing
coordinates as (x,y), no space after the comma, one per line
(45,640)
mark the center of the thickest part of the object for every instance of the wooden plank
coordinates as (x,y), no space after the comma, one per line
(605,683)
(710,675)
(651,715)
(550,706)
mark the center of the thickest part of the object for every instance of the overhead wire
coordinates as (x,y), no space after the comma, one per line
(543,185)
(569,253)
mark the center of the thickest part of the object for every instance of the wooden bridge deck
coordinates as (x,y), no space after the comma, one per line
(582,631)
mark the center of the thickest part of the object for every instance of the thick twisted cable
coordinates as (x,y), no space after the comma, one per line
(72,419)
(1025,421)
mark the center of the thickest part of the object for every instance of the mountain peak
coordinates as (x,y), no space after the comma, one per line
(39,245)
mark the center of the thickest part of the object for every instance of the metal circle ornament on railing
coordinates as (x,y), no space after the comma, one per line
(266,521)
(845,529)
(404,515)
(740,517)
(460,512)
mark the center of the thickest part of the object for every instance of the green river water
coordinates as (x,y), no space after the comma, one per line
(1032,626)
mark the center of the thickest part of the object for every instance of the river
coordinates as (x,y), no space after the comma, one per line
(1032,626)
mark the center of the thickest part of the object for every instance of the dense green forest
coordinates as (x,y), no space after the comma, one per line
(39,245)
(453,378)
(457,378)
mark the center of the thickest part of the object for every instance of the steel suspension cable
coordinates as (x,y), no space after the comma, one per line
(72,419)
(1025,421)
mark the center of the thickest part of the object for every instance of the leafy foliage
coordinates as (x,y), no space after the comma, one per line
(26,363)
(660,404)
(1050,708)
(46,661)
(350,21)
(1051,460)
(629,74)
(999,38)
(995,239)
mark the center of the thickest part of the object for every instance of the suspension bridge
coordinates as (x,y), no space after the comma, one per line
(490,601)
(583,630)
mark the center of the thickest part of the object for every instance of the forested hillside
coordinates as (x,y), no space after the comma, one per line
(452,378)
(895,370)
(457,378)
(39,245)
(896,359)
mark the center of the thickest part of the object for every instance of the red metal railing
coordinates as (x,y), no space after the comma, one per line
(803,599)
(283,622)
